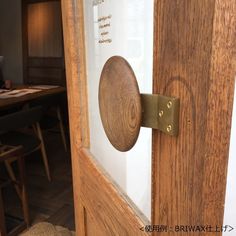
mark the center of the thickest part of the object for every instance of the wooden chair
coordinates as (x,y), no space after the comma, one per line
(11,135)
(7,153)
(52,114)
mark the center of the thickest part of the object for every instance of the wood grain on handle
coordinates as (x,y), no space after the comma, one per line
(120,103)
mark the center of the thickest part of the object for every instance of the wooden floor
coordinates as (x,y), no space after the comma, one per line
(48,201)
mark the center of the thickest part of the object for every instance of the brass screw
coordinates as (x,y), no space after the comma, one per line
(169,128)
(161,113)
(169,104)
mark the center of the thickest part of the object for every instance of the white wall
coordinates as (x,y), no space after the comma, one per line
(230,200)
(11,40)
(131,32)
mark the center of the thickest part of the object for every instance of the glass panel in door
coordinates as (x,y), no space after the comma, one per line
(123,28)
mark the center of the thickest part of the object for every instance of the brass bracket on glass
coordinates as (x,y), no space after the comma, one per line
(160,112)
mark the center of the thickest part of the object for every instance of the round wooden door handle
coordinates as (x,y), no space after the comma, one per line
(120,103)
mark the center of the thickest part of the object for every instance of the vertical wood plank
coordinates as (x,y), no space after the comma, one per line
(72,14)
(220,103)
(193,60)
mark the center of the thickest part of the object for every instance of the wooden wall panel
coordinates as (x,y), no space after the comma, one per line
(193,60)
(45,73)
(44,29)
(43,51)
(50,62)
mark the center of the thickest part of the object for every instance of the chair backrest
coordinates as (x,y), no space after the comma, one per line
(20,119)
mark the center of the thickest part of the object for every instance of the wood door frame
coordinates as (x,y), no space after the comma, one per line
(78,110)
(198,66)
(73,27)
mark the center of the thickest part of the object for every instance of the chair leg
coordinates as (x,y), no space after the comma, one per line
(25,203)
(3,231)
(43,151)
(35,129)
(13,177)
(63,136)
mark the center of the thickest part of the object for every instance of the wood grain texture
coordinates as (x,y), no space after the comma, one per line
(120,103)
(219,101)
(109,209)
(193,60)
(116,209)
(73,30)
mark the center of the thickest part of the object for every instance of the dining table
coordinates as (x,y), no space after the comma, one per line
(23,94)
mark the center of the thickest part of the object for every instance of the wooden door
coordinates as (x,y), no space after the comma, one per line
(42,39)
(195,60)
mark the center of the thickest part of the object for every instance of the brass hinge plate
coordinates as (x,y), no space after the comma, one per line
(161,112)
